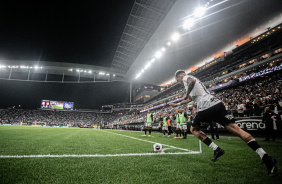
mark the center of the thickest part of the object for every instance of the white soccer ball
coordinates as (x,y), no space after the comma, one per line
(157,147)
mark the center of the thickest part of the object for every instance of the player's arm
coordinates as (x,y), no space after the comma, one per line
(189,99)
(190,83)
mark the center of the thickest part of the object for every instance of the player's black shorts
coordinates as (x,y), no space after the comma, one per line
(215,113)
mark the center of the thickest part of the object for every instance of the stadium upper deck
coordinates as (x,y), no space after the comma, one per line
(259,53)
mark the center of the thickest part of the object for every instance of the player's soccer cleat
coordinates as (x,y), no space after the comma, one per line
(270,163)
(168,136)
(175,138)
(149,135)
(217,153)
(180,137)
(143,135)
(184,138)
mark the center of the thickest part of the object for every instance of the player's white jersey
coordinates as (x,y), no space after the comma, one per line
(200,94)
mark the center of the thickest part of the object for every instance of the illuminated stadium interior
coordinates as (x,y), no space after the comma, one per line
(105,64)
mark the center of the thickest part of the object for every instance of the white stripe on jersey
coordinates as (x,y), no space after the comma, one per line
(200,94)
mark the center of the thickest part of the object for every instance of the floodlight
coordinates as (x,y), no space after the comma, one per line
(36,67)
(148,65)
(200,11)
(107,74)
(114,75)
(163,49)
(89,71)
(168,43)
(77,70)
(175,37)
(158,54)
(153,60)
(188,23)
(138,75)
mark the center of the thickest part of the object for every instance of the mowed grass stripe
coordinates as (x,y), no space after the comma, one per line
(61,141)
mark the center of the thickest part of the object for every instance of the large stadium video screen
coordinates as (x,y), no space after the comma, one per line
(59,105)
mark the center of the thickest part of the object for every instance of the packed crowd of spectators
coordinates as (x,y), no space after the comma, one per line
(251,98)
(55,118)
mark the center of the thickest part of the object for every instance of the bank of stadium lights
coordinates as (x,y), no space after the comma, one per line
(24,67)
(197,14)
(89,71)
(21,67)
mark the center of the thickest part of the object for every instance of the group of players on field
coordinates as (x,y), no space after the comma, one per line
(180,117)
(209,109)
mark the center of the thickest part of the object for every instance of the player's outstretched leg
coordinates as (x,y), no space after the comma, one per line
(150,130)
(218,152)
(269,161)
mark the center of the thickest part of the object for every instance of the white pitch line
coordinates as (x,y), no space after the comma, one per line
(149,141)
(89,156)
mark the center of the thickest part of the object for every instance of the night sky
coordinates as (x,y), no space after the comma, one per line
(85,32)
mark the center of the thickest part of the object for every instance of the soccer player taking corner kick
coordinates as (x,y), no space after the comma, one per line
(212,109)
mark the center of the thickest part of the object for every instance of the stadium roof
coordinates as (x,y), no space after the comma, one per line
(120,37)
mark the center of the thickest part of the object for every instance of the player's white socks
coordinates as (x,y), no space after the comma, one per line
(261,152)
(213,146)
(256,147)
(210,144)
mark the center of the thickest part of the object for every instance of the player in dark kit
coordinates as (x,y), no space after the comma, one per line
(212,109)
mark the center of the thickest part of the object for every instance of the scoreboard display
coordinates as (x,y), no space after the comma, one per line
(59,105)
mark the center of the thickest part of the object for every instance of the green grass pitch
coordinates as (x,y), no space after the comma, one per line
(239,165)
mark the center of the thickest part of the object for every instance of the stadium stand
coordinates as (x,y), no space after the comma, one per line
(54,118)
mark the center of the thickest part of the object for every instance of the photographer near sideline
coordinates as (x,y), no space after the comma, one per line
(271,120)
